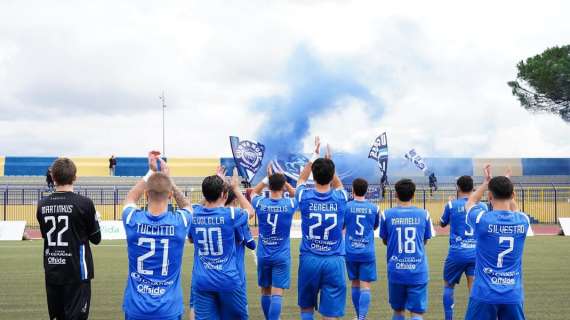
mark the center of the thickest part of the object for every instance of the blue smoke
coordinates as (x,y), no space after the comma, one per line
(313,90)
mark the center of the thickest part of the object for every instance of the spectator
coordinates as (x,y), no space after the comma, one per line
(112,165)
(49,180)
(432,183)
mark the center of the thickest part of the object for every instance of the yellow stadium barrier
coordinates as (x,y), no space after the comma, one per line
(192,167)
(91,166)
(1,166)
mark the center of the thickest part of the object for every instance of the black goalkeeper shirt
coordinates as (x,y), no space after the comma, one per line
(68,222)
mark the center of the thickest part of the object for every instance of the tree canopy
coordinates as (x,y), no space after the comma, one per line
(543,82)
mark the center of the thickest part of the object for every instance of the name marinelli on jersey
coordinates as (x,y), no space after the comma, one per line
(60,208)
(323,207)
(405,221)
(360,210)
(201,220)
(155,230)
(506,229)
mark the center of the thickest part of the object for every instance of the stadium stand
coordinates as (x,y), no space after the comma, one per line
(91,166)
(27,166)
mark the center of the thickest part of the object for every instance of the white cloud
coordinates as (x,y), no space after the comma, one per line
(83,78)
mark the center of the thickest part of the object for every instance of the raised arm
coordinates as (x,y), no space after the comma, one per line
(476,196)
(306,173)
(258,189)
(137,191)
(246,205)
(336,182)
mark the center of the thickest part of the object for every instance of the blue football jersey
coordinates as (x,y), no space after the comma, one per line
(405,229)
(500,243)
(322,220)
(155,246)
(274,217)
(361,219)
(213,233)
(461,237)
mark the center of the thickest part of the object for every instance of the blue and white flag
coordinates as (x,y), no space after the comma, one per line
(379,152)
(248,156)
(416,159)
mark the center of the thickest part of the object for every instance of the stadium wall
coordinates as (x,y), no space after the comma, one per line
(199,167)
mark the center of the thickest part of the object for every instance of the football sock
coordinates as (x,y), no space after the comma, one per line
(355,298)
(275,308)
(265,303)
(364,303)
(448,303)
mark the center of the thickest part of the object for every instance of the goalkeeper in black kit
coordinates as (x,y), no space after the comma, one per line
(68,222)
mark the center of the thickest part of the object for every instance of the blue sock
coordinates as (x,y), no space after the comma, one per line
(448,303)
(275,308)
(265,303)
(396,317)
(416,318)
(363,304)
(355,298)
(306,316)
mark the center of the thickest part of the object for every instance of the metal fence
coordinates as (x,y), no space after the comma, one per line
(544,204)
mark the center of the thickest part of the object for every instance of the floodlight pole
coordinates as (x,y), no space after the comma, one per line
(163,99)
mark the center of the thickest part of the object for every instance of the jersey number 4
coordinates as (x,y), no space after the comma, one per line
(58,242)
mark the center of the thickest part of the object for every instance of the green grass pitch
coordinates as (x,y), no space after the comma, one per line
(22,292)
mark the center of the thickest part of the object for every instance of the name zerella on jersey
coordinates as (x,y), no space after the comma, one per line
(322,220)
(155,246)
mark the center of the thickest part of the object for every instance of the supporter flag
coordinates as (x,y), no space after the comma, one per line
(248,156)
(379,152)
(416,159)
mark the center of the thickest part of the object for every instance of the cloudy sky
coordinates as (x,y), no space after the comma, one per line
(83,77)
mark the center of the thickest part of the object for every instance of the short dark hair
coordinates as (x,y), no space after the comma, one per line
(405,189)
(323,171)
(212,188)
(158,187)
(359,187)
(501,188)
(63,171)
(276,182)
(465,184)
(231,195)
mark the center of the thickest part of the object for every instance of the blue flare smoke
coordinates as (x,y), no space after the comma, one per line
(313,90)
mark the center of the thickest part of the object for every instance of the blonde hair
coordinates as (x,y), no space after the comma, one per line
(158,187)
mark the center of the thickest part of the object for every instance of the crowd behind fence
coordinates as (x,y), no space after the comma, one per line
(544,204)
